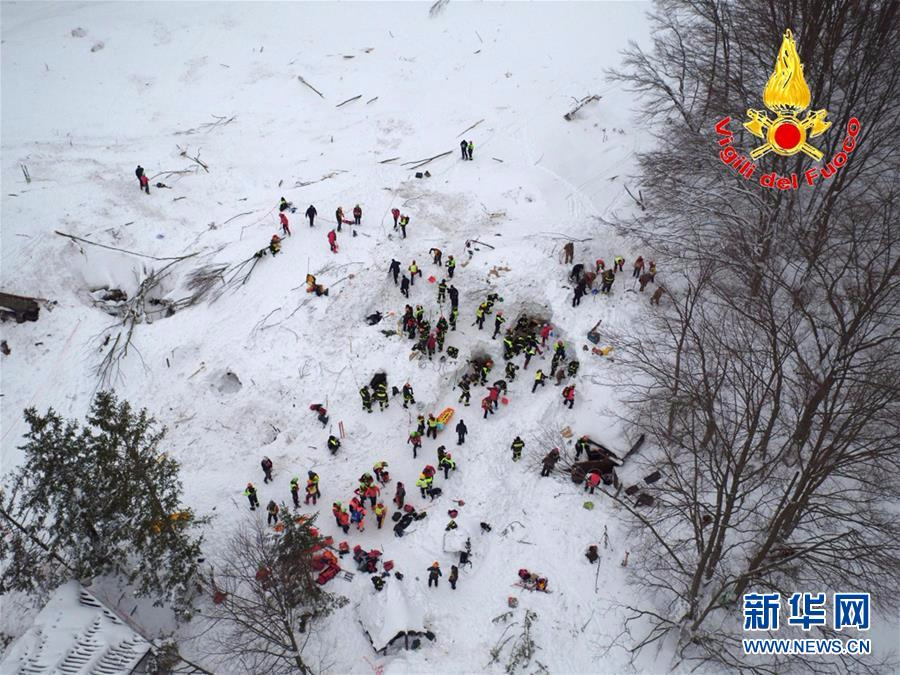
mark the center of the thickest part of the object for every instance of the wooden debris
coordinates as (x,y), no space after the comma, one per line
(348,100)
(196,159)
(470,128)
(385,161)
(371,100)
(25,171)
(497,159)
(426,161)
(587,99)
(302,81)
(246,213)
(121,250)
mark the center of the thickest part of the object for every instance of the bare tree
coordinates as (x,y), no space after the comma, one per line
(770,389)
(265,599)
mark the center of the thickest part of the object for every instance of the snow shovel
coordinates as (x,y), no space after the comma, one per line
(593,335)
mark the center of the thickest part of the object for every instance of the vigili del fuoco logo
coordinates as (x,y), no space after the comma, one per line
(786,96)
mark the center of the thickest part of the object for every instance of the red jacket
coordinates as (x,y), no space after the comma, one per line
(431,341)
(344,518)
(373,491)
(545,331)
(331,237)
(357,211)
(486,403)
(395,213)
(569,393)
(593,479)
(493,393)
(284,220)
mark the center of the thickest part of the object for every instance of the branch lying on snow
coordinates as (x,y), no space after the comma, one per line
(426,161)
(587,99)
(348,100)
(385,161)
(122,250)
(196,159)
(246,213)
(470,128)
(325,177)
(302,81)
(639,202)
(371,100)
(165,174)
(221,121)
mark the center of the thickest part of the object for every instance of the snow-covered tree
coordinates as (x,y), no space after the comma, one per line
(99,499)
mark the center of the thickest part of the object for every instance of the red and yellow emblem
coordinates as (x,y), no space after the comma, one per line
(786,95)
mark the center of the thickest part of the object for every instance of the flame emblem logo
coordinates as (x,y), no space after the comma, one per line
(786,95)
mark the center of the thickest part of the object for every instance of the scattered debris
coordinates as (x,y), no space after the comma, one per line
(302,81)
(470,128)
(371,100)
(423,162)
(385,161)
(580,104)
(497,159)
(183,153)
(97,46)
(348,100)
(4,348)
(25,171)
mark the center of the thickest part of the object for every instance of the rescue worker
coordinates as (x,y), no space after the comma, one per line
(464,146)
(332,241)
(420,421)
(373,492)
(314,477)
(454,315)
(366,398)
(266,464)
(499,320)
(404,286)
(644,280)
(511,369)
(339,216)
(581,446)
(568,394)
(311,492)
(381,396)
(546,329)
(538,380)
(311,214)
(396,213)
(600,265)
(479,316)
(572,368)
(486,370)
(434,573)
(471,149)
(454,575)
(379,469)
(413,271)
(453,292)
(283,205)
(447,463)
(609,276)
(357,214)
(591,481)
(272,510)
(487,405)
(404,221)
(250,494)
(466,393)
(651,271)
(333,444)
(430,345)
(569,251)
(577,271)
(295,491)
(415,438)
(400,495)
(530,351)
(424,483)
(508,347)
(432,427)
(461,431)
(619,263)
(451,266)
(435,254)
(275,245)
(442,292)
(549,461)
(285,227)
(408,396)
(380,513)
(517,446)
(394,270)
(638,267)
(579,292)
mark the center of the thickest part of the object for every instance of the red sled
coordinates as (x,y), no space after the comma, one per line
(431,280)
(349,222)
(327,575)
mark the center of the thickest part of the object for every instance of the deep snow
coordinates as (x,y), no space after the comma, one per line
(81,120)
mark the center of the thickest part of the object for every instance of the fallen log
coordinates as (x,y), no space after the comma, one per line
(587,99)
(348,100)
(470,128)
(302,81)
(385,161)
(430,159)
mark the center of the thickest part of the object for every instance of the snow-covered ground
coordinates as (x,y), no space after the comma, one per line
(91,90)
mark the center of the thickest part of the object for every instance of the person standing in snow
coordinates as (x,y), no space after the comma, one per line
(447,463)
(454,575)
(568,394)
(266,464)
(413,271)
(332,241)
(638,267)
(404,221)
(471,149)
(339,216)
(404,286)
(139,172)
(250,494)
(466,394)
(619,263)
(357,214)
(285,227)
(408,395)
(380,513)
(464,147)
(435,254)
(311,214)
(609,276)
(272,509)
(461,431)
(549,462)
(333,444)
(415,438)
(453,292)
(396,213)
(499,320)
(569,251)
(538,380)
(311,492)
(434,572)
(366,398)
(645,279)
(295,491)
(511,369)
(400,495)
(442,292)
(579,293)
(394,269)
(451,266)
(517,446)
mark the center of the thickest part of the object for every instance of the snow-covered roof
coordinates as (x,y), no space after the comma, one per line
(75,633)
(388,612)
